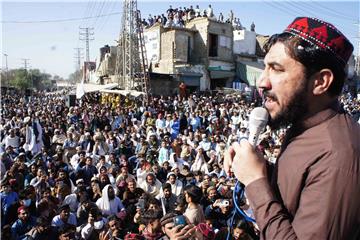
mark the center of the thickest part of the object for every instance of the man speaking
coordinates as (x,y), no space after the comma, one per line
(314,191)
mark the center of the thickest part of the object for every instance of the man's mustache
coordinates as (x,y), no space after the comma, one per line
(267,94)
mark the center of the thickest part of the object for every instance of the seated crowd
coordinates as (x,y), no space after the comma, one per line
(120,168)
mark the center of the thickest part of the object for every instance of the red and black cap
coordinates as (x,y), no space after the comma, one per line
(323,35)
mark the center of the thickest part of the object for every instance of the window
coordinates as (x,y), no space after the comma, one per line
(213,45)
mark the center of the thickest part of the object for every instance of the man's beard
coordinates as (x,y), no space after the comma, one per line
(294,111)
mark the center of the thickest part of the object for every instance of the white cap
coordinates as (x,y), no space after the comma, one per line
(27,119)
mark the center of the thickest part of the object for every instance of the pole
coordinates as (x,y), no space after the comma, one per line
(86,33)
(7,71)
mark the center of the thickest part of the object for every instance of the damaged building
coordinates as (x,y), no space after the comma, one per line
(205,54)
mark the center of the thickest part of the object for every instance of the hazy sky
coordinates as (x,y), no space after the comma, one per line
(46,32)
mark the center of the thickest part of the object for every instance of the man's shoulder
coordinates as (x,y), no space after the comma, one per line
(16,224)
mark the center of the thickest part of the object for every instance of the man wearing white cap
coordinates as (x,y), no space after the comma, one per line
(176,185)
(11,139)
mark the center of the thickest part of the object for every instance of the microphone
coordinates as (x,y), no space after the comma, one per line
(257,122)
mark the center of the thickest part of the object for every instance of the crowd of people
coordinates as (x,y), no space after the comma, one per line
(113,167)
(178,17)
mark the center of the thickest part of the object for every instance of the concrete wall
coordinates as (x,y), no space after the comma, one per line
(174,50)
(166,63)
(182,41)
(201,51)
(244,42)
(201,40)
(225,40)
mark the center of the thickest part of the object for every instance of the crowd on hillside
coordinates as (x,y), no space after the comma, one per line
(114,167)
(177,17)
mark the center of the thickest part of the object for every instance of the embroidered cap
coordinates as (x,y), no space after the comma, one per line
(322,34)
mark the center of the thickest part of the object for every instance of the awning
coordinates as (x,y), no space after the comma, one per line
(88,87)
(248,72)
(123,92)
(216,74)
(191,79)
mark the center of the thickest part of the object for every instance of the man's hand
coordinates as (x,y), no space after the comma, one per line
(104,235)
(247,164)
(216,203)
(179,233)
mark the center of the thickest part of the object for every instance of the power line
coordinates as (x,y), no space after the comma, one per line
(280,8)
(87,12)
(63,20)
(338,14)
(100,12)
(313,12)
(105,20)
(92,11)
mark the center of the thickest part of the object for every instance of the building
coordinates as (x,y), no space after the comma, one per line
(206,54)
(200,54)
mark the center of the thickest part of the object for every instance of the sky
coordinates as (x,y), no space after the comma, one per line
(47,32)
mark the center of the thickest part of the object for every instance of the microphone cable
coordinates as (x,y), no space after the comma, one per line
(240,191)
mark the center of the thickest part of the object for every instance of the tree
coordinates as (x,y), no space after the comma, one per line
(21,79)
(33,78)
(75,77)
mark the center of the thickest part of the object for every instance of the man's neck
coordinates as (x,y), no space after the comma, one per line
(192,205)
(320,104)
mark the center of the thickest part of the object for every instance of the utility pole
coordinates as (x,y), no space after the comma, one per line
(131,62)
(357,57)
(26,63)
(78,56)
(86,33)
(7,70)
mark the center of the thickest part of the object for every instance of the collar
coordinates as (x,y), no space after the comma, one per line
(319,117)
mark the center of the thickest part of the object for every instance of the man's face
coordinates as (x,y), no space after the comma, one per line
(23,215)
(172,179)
(131,186)
(89,161)
(67,236)
(5,188)
(167,228)
(113,225)
(124,170)
(212,194)
(111,193)
(284,87)
(167,193)
(62,175)
(150,179)
(155,225)
(276,152)
(64,214)
(155,169)
(238,233)
(207,179)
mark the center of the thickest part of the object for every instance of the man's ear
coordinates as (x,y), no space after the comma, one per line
(322,81)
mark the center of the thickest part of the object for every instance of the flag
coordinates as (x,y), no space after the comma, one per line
(80,90)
